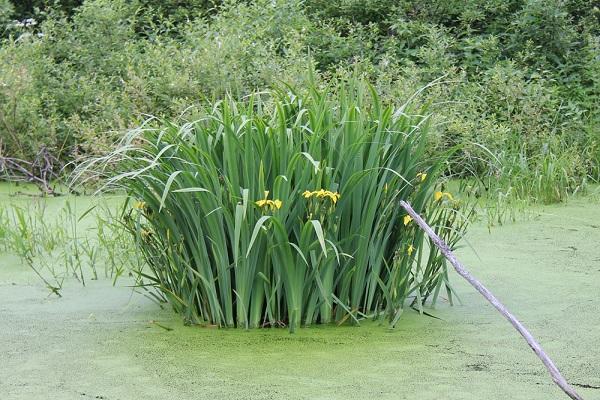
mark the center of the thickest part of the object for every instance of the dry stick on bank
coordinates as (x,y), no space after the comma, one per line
(40,171)
(535,346)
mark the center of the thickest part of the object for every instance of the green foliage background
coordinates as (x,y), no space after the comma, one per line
(519,90)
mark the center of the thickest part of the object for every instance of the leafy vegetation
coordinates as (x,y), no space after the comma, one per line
(281,209)
(519,94)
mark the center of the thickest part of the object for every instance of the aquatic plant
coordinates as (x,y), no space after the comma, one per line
(282,209)
(53,240)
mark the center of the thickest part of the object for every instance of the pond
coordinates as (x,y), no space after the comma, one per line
(108,342)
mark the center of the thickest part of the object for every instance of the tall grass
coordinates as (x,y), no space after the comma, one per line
(57,243)
(281,209)
(514,179)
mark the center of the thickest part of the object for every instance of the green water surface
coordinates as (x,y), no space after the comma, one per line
(99,341)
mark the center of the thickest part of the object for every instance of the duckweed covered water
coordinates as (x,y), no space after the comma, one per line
(99,341)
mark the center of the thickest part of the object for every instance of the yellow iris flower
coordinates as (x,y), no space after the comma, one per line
(139,205)
(322,194)
(422,176)
(410,249)
(437,196)
(407,219)
(270,204)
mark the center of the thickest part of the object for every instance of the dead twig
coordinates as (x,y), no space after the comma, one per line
(39,171)
(462,271)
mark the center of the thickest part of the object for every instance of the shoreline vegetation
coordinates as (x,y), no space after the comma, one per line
(514,85)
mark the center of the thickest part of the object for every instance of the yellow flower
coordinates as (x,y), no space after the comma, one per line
(407,219)
(269,204)
(322,194)
(146,233)
(410,249)
(139,205)
(440,195)
(334,197)
(422,176)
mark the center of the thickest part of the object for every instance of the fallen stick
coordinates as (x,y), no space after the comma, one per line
(535,346)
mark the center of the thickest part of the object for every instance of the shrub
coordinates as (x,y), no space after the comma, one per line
(6,11)
(76,84)
(84,72)
(511,129)
(284,210)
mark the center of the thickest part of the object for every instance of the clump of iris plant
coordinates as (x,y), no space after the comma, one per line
(282,210)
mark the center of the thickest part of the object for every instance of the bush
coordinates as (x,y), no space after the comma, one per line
(284,210)
(77,84)
(6,11)
(84,72)
(510,128)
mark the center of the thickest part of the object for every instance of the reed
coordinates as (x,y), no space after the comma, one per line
(282,208)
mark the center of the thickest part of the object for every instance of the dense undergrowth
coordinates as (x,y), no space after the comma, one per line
(515,83)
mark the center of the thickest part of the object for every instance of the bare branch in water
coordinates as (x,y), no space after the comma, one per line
(462,271)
